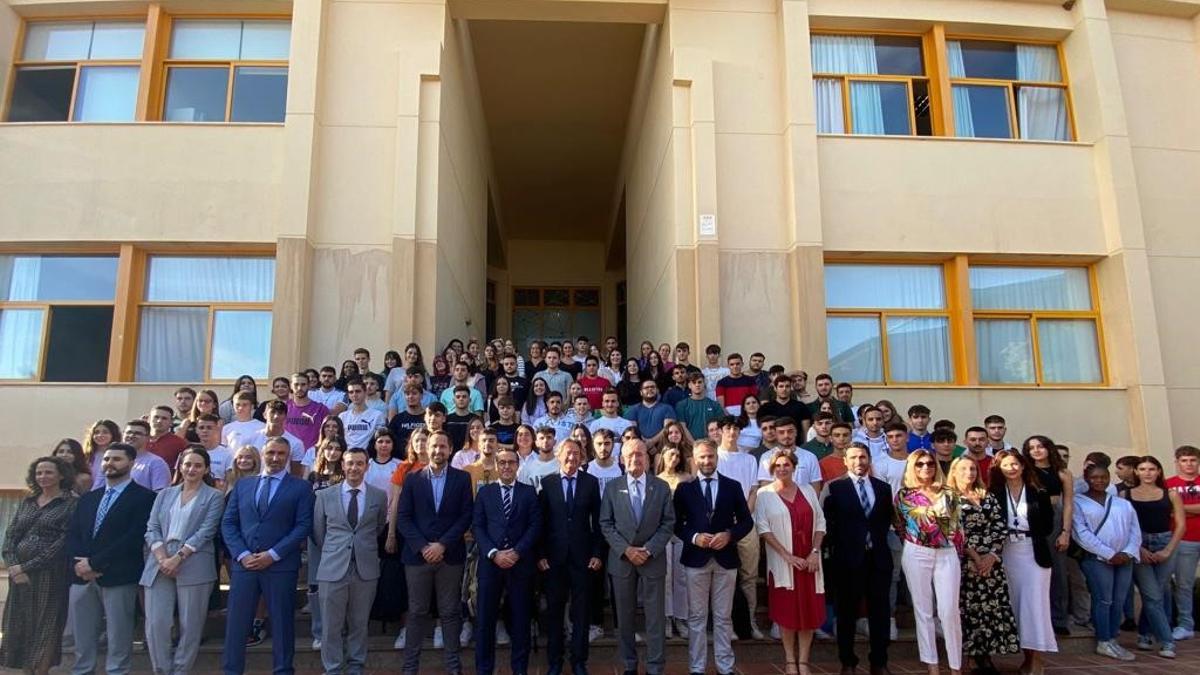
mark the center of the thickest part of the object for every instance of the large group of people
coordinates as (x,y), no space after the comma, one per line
(490,491)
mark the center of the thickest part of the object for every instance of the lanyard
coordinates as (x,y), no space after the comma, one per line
(1012,504)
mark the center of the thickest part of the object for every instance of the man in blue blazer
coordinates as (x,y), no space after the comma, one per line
(432,517)
(105,541)
(507,524)
(267,520)
(711,516)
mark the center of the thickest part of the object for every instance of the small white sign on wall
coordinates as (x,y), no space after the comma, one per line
(708,225)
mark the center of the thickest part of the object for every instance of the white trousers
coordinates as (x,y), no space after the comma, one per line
(933,577)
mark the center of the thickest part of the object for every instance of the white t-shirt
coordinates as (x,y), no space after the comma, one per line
(238,434)
(463,458)
(360,426)
(877,445)
(808,467)
(750,437)
(889,470)
(380,474)
(329,399)
(603,474)
(739,466)
(310,458)
(533,471)
(617,425)
(711,377)
(220,459)
(297,446)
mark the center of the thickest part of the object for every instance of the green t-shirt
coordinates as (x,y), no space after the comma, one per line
(695,415)
(821,450)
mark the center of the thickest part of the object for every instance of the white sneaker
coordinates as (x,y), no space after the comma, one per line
(399,643)
(639,638)
(1113,651)
(1145,643)
(894,633)
(1181,633)
(1167,652)
(502,635)
(316,645)
(775,632)
(1126,655)
(863,627)
(756,634)
(438,642)
(595,633)
(464,635)
(822,635)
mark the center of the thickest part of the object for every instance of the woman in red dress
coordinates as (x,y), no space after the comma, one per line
(789,519)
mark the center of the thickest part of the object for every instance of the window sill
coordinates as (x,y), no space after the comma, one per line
(936,139)
(148,123)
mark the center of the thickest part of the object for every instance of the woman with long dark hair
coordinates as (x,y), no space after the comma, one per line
(439,380)
(1042,454)
(500,388)
(535,401)
(36,554)
(70,451)
(243,383)
(100,435)
(1163,522)
(629,389)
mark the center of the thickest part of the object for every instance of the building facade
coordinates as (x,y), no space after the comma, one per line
(982,205)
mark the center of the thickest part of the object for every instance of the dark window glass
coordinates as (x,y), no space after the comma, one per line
(77,348)
(42,94)
(990,60)
(557,297)
(196,95)
(989,112)
(921,107)
(587,297)
(898,55)
(259,94)
(527,297)
(894,104)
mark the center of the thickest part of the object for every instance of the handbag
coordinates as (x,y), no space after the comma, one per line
(1077,552)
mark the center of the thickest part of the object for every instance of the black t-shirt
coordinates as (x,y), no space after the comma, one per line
(506,434)
(402,425)
(793,409)
(518,388)
(456,426)
(574,368)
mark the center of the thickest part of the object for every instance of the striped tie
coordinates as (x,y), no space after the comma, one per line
(506,498)
(105,505)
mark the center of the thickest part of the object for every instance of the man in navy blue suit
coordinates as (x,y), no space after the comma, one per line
(267,520)
(507,524)
(711,516)
(432,517)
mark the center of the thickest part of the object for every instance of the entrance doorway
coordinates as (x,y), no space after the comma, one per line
(555,314)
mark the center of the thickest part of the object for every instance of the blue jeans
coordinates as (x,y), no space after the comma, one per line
(1107,585)
(1154,583)
(1187,555)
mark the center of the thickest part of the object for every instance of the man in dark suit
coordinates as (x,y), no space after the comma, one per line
(638,521)
(432,517)
(267,520)
(711,516)
(105,541)
(570,548)
(507,524)
(858,516)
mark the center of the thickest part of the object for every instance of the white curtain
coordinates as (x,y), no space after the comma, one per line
(1069,350)
(964,121)
(1042,111)
(831,117)
(884,286)
(1030,288)
(171,344)
(183,279)
(855,349)
(241,344)
(20,342)
(846,55)
(1005,351)
(918,349)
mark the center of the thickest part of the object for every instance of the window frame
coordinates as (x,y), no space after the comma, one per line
(18,63)
(1033,315)
(165,64)
(1011,86)
(882,314)
(47,306)
(212,306)
(846,79)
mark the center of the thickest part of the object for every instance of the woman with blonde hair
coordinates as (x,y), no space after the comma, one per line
(988,625)
(671,467)
(789,519)
(928,517)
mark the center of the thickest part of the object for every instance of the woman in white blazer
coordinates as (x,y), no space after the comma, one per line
(789,519)
(179,570)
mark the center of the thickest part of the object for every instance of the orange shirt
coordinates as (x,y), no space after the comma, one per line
(402,471)
(832,467)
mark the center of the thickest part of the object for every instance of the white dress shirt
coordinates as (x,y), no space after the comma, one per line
(361,497)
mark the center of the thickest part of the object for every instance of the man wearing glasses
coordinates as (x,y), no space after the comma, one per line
(651,414)
(149,470)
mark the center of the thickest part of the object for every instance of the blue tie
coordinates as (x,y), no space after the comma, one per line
(105,504)
(866,504)
(264,495)
(636,500)
(506,498)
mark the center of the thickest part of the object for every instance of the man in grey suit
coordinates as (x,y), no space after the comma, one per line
(637,520)
(347,522)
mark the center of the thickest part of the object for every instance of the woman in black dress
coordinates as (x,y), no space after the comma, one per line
(988,624)
(35,552)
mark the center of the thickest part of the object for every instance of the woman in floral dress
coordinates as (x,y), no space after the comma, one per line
(987,618)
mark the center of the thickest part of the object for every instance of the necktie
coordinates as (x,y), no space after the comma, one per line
(636,500)
(352,512)
(570,490)
(105,504)
(506,499)
(708,496)
(264,495)
(866,504)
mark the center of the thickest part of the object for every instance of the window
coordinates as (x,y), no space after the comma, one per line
(205,318)
(227,71)
(870,85)
(56,315)
(1007,90)
(555,314)
(78,71)
(887,323)
(1035,325)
